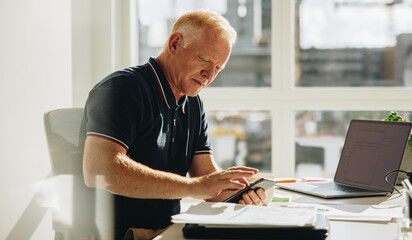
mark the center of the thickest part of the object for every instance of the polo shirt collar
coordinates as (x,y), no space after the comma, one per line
(164,87)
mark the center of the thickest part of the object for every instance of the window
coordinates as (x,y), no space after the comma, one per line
(240,136)
(293,61)
(249,63)
(320,136)
(349,44)
(353,43)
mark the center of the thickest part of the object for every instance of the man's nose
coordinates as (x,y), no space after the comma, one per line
(207,72)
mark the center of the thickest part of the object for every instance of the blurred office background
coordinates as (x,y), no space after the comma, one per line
(299,72)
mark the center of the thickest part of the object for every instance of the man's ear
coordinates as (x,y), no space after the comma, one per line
(175,41)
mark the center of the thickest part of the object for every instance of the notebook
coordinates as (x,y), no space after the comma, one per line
(318,232)
(371,149)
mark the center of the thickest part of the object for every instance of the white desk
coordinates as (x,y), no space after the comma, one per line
(338,230)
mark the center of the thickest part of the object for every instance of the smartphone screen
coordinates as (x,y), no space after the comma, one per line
(263,183)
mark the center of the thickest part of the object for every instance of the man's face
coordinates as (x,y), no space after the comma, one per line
(198,64)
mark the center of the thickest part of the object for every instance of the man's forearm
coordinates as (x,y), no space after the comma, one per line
(106,165)
(131,179)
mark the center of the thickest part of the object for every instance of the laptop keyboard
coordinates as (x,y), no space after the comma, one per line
(336,186)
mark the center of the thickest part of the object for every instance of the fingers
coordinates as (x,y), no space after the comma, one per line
(213,184)
(234,178)
(263,195)
(243,168)
(252,197)
(233,186)
(244,181)
(236,174)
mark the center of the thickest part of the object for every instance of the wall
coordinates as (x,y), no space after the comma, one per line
(91,45)
(35,77)
(52,53)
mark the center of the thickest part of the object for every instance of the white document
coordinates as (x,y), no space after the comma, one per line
(231,214)
(379,213)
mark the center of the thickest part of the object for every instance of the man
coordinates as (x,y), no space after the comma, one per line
(146,129)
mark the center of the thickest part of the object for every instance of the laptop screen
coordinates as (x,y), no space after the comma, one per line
(371,150)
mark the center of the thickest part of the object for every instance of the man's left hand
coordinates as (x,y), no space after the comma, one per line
(252,197)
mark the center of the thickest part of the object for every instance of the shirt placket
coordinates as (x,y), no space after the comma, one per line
(174,132)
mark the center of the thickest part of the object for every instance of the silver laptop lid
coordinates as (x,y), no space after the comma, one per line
(372,149)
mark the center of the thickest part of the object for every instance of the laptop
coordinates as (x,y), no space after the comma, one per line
(370,151)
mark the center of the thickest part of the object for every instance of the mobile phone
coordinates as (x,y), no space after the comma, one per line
(263,183)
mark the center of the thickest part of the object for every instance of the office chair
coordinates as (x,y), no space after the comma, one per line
(84,213)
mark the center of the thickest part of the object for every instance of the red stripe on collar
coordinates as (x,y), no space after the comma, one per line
(159,84)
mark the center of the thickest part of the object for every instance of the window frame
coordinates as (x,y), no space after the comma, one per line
(283,99)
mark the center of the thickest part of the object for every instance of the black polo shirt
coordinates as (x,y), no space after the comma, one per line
(136,108)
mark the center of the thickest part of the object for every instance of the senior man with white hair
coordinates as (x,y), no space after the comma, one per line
(146,129)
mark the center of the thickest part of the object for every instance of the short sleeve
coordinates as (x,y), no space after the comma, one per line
(112,110)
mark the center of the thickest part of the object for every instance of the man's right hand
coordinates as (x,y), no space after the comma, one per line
(213,184)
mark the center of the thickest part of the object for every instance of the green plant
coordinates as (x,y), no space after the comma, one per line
(394,117)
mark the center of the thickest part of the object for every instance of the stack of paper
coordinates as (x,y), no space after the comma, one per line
(230,214)
(379,213)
